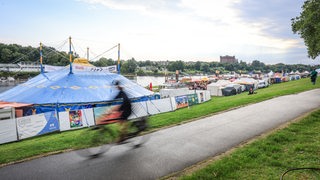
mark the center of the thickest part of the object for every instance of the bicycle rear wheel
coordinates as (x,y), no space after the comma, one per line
(137,138)
(99,138)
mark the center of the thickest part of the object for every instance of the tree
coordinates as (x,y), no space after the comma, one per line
(102,62)
(140,72)
(197,66)
(6,55)
(307,25)
(229,66)
(129,66)
(176,65)
(257,65)
(205,67)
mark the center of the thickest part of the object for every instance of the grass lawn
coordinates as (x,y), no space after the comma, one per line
(69,140)
(296,146)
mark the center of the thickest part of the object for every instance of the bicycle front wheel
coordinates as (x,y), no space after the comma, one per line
(99,139)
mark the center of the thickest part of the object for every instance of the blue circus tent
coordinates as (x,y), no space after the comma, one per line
(61,87)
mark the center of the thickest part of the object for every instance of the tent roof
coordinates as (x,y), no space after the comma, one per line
(61,87)
(82,61)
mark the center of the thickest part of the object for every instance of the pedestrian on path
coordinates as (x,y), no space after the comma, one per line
(313,77)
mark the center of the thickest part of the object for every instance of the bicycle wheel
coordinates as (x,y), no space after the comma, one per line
(136,138)
(301,173)
(99,138)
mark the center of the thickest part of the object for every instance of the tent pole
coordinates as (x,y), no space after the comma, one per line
(70,55)
(41,67)
(118,58)
(88,53)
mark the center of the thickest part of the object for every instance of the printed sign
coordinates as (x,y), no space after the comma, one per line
(106,114)
(201,97)
(192,99)
(29,126)
(75,119)
(181,101)
(76,67)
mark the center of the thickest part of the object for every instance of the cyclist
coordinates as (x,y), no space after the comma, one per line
(125,109)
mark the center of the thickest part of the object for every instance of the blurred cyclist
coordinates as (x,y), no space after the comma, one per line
(125,109)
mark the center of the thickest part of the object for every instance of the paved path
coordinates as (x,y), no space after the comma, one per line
(173,149)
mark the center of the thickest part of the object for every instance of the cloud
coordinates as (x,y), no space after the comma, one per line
(192,28)
(136,5)
(276,15)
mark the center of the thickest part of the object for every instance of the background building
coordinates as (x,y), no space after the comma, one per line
(228,59)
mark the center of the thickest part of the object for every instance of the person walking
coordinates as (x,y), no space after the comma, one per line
(313,76)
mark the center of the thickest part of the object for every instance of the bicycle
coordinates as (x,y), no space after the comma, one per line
(105,135)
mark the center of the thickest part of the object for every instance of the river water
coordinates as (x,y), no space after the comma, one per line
(7,85)
(141,80)
(146,80)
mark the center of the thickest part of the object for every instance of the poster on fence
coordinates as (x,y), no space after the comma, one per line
(87,119)
(29,126)
(105,114)
(75,119)
(192,99)
(181,101)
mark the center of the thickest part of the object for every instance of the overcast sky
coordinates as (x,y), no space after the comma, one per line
(188,30)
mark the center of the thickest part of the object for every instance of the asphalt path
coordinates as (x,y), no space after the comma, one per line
(172,149)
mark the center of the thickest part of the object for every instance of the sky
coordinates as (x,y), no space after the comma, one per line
(159,30)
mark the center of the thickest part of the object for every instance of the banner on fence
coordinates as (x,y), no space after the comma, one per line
(192,99)
(8,131)
(29,126)
(181,101)
(203,95)
(103,115)
(107,114)
(76,119)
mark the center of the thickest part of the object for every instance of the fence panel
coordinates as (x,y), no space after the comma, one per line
(76,119)
(159,106)
(8,131)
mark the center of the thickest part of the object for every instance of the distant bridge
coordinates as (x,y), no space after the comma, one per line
(21,66)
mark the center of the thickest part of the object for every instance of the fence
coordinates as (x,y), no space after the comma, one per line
(13,129)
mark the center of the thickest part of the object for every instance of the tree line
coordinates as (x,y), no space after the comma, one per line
(14,53)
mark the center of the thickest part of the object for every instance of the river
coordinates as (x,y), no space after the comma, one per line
(141,80)
(7,85)
(146,80)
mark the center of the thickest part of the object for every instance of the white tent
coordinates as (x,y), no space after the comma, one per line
(216,88)
(270,73)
